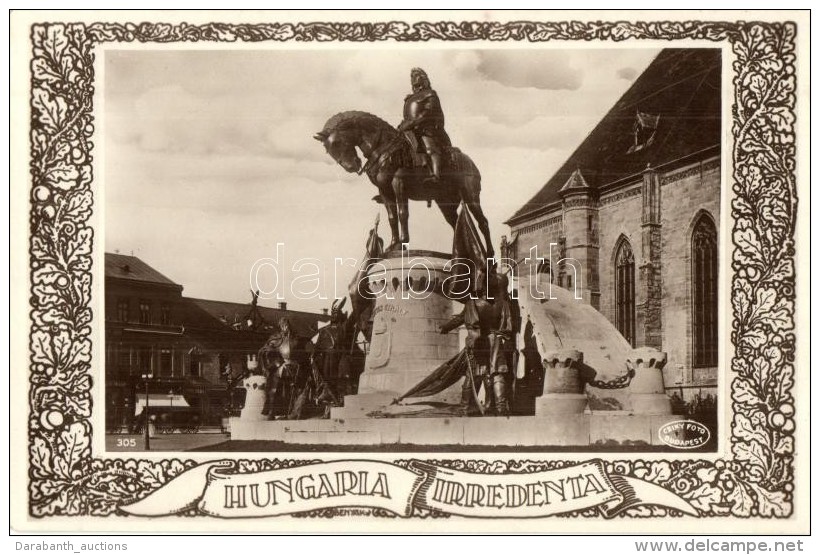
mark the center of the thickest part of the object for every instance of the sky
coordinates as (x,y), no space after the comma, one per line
(210,160)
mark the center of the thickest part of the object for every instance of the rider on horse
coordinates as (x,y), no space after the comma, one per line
(424,120)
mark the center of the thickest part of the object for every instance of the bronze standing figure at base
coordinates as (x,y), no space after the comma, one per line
(334,357)
(296,389)
(491,322)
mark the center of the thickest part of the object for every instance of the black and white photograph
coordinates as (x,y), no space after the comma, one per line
(311,311)
(449,269)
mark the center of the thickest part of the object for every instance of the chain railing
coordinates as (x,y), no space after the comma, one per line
(616,383)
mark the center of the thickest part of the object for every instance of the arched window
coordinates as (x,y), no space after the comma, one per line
(625,291)
(704,293)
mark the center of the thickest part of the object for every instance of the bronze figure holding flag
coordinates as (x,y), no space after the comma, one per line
(491,325)
(491,318)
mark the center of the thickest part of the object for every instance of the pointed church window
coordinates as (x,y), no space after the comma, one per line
(704,293)
(625,291)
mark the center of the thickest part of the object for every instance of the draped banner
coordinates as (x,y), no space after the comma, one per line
(213,488)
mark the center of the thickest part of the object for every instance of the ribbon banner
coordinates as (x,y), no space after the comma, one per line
(214,489)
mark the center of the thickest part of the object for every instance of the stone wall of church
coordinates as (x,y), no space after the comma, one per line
(619,213)
(686,194)
(579,271)
(543,231)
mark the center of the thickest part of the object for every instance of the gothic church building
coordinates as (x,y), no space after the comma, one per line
(637,205)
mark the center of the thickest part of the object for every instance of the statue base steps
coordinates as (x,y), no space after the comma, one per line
(611,428)
(650,403)
(560,404)
(357,406)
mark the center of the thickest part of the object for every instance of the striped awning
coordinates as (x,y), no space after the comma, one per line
(157,400)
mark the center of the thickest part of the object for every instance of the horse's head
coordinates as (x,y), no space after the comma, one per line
(341,148)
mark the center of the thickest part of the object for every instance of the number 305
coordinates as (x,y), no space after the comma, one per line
(126,442)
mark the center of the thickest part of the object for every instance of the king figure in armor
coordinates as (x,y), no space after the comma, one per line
(423,123)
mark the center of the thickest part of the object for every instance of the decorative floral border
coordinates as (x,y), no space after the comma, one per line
(756,480)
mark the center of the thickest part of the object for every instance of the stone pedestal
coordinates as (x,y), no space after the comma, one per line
(406,345)
(254,399)
(604,430)
(647,394)
(560,419)
(563,388)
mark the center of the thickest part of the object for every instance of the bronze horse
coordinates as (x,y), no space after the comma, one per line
(391,168)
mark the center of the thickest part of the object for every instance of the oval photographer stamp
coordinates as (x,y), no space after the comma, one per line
(684,434)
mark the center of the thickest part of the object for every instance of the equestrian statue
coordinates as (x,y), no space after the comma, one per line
(414,162)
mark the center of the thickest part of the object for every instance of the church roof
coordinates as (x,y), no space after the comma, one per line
(575,181)
(672,110)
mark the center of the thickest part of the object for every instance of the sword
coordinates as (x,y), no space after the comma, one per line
(472,377)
